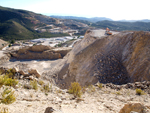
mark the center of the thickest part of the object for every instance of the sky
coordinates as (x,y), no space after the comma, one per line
(114,9)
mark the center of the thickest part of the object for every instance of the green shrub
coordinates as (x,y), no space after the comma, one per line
(9,45)
(139,92)
(34,84)
(2,81)
(11,82)
(75,89)
(46,88)
(10,73)
(8,96)
(5,80)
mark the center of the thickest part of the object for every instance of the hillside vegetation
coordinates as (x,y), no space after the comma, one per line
(121,26)
(20,24)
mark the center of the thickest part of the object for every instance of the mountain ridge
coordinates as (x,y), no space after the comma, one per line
(96,19)
(20,24)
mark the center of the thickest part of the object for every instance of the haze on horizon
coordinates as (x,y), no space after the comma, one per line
(114,9)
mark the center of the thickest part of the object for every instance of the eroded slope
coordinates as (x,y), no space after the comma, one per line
(117,59)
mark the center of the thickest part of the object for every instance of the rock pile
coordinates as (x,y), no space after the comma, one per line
(32,74)
(145,85)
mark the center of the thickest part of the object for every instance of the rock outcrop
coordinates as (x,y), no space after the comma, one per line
(39,52)
(117,59)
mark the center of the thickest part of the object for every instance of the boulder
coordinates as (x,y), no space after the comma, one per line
(49,110)
(15,69)
(21,72)
(34,72)
(133,107)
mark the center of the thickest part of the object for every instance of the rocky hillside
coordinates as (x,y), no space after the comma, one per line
(118,59)
(21,24)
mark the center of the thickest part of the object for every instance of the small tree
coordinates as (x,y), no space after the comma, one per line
(12,41)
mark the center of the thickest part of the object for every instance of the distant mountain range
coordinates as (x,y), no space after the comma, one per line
(122,26)
(95,19)
(21,24)
(144,20)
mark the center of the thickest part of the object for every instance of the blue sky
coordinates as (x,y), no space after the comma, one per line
(114,9)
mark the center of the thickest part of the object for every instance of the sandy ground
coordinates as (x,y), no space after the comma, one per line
(103,100)
(100,33)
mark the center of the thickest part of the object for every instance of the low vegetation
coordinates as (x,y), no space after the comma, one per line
(139,92)
(40,82)
(75,89)
(121,26)
(4,110)
(5,80)
(46,88)
(91,88)
(8,96)
(34,84)
(100,85)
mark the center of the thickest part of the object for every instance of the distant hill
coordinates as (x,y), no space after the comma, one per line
(121,26)
(20,24)
(102,22)
(144,20)
(94,19)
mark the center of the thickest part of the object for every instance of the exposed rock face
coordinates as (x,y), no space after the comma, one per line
(40,52)
(118,59)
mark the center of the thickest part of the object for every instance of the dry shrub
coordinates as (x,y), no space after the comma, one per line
(5,80)
(10,73)
(100,85)
(91,88)
(46,88)
(4,110)
(75,89)
(8,96)
(34,84)
(83,90)
(40,82)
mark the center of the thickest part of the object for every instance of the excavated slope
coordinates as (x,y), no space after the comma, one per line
(39,52)
(118,59)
